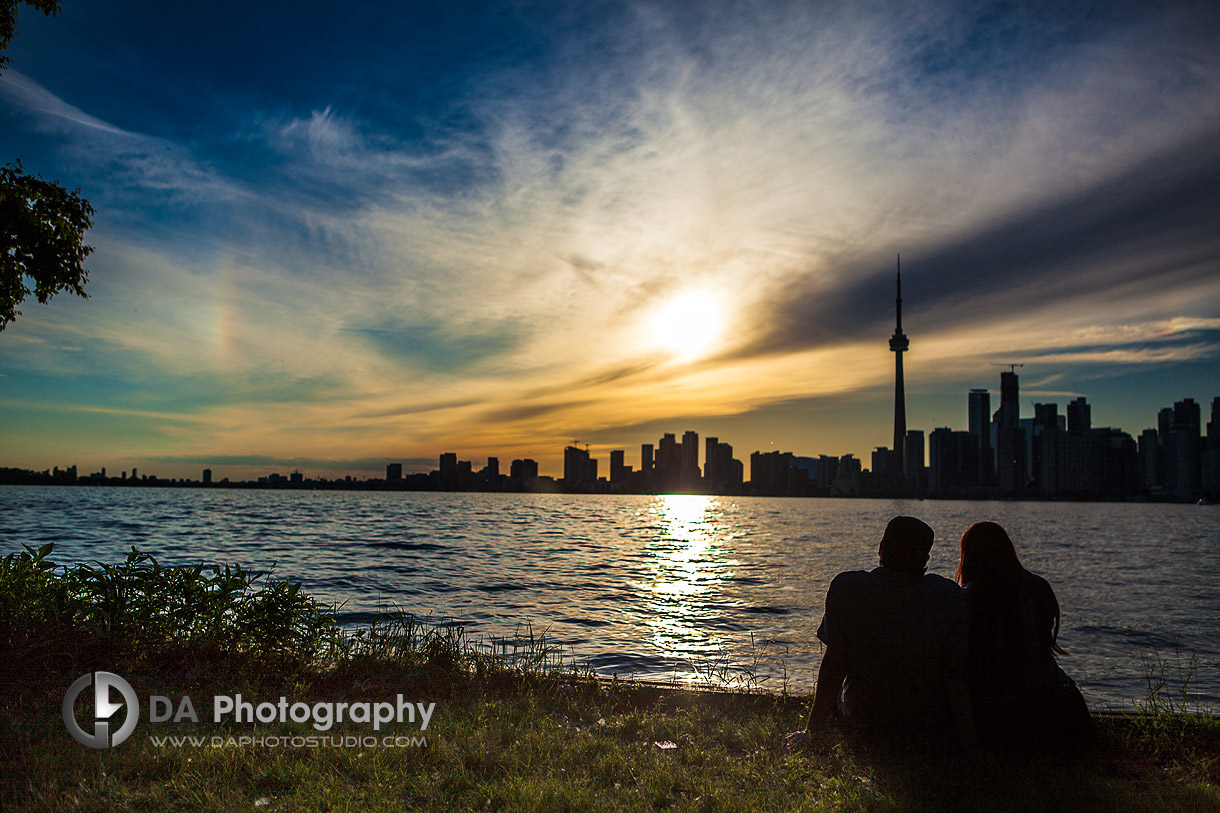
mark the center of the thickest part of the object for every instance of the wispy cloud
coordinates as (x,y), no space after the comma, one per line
(1134,355)
(33,97)
(127,160)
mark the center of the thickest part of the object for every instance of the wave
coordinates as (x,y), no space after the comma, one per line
(406,545)
(499,587)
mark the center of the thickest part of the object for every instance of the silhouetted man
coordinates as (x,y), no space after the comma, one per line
(895,641)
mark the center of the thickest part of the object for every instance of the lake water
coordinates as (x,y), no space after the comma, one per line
(664,587)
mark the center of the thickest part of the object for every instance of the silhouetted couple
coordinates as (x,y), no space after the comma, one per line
(912,652)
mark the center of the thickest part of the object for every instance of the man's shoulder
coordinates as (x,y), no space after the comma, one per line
(945,592)
(936,581)
(850,579)
(852,576)
(850,588)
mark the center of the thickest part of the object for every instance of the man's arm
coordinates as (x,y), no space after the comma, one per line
(831,674)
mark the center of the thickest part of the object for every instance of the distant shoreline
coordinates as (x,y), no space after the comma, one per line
(550,487)
(382,486)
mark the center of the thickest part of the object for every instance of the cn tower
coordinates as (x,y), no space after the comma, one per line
(899,343)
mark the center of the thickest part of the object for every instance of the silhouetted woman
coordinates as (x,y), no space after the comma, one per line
(1021,697)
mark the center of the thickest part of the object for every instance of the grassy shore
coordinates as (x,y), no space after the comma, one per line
(515,729)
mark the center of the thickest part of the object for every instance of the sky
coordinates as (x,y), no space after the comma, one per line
(330,238)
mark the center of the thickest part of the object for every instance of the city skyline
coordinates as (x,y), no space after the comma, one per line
(492,232)
(1053,455)
(1057,455)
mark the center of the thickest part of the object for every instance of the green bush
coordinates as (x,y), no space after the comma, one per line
(139,605)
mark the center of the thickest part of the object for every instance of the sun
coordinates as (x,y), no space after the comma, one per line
(687,326)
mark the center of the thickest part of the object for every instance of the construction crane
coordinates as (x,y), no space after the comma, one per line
(1012,368)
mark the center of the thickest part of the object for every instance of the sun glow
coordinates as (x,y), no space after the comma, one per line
(688,326)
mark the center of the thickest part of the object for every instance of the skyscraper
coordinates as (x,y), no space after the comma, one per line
(1010,442)
(618,468)
(899,344)
(668,462)
(954,460)
(579,470)
(449,470)
(980,427)
(1079,415)
(1213,426)
(913,455)
(1184,449)
(1209,475)
(523,470)
(690,460)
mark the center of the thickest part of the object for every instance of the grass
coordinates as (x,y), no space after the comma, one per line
(516,726)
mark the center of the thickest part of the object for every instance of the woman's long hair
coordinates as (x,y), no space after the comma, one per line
(989,560)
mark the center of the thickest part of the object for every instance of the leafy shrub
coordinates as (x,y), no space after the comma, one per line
(142,606)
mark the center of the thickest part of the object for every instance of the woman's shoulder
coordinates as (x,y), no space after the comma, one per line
(1028,580)
(1038,585)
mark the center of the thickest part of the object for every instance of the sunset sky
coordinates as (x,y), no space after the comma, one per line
(332,237)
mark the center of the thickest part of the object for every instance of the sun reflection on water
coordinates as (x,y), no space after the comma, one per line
(689,529)
(690,562)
